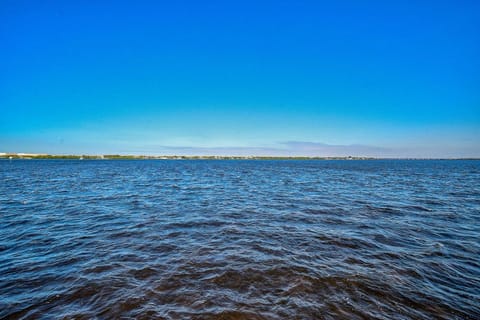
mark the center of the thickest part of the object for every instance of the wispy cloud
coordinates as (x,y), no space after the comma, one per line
(287,148)
(324,149)
(315,149)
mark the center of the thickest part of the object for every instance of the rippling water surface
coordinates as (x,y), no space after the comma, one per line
(239,239)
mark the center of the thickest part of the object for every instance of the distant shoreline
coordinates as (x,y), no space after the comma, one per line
(29,156)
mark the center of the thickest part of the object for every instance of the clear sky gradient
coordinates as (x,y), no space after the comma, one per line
(375,78)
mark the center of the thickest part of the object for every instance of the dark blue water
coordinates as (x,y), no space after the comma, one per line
(239,239)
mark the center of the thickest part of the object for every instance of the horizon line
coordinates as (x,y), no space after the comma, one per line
(110,156)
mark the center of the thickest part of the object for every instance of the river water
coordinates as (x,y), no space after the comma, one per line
(228,239)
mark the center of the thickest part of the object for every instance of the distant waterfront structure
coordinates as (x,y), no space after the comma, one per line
(22,155)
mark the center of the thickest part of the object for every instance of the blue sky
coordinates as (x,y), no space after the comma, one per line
(377,78)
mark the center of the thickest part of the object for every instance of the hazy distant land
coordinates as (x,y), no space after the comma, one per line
(164,157)
(188,157)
